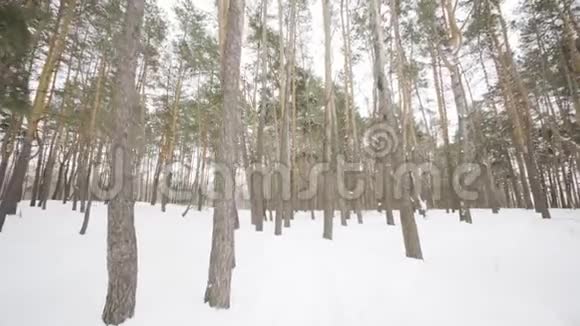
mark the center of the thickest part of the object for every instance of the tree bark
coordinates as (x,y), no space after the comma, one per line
(222,259)
(121,236)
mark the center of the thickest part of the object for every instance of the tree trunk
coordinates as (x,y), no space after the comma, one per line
(329,142)
(15,186)
(521,115)
(92,171)
(444,129)
(121,236)
(156,175)
(201,184)
(467,152)
(8,146)
(352,131)
(448,50)
(222,259)
(169,145)
(257,195)
(408,223)
(386,111)
(39,162)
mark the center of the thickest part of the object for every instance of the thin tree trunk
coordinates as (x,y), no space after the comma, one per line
(39,162)
(386,111)
(203,175)
(169,146)
(8,145)
(408,223)
(329,142)
(448,50)
(349,98)
(15,187)
(257,195)
(92,168)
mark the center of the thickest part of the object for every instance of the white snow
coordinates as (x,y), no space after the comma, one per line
(508,269)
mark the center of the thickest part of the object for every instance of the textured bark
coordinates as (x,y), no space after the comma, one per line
(410,232)
(222,257)
(121,236)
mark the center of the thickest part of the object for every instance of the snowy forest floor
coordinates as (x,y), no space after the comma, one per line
(508,269)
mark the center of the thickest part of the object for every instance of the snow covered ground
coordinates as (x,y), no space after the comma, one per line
(509,269)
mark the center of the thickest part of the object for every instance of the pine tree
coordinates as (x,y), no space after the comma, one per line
(222,260)
(126,133)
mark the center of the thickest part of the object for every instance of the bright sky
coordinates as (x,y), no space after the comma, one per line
(363,73)
(363,70)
